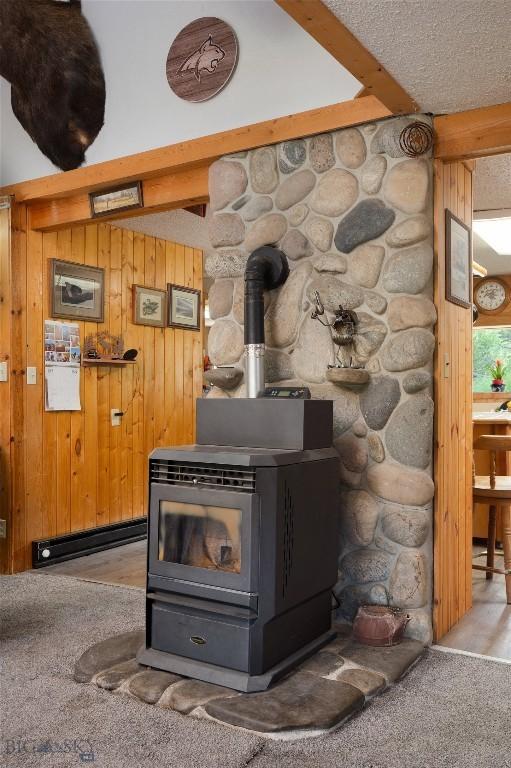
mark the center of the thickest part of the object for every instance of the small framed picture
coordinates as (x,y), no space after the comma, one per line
(183,307)
(77,292)
(118,199)
(149,306)
(458,261)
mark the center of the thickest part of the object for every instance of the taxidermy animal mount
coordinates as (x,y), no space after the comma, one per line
(49,56)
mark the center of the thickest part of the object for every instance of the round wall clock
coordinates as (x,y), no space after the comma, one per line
(201,59)
(491,295)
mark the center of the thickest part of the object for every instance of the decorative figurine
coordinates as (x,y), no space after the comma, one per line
(342,330)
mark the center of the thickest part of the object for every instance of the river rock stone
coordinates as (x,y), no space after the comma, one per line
(265,231)
(334,292)
(368,219)
(346,410)
(375,446)
(378,400)
(359,517)
(392,662)
(295,245)
(408,526)
(215,393)
(408,349)
(150,685)
(386,139)
(220,298)
(353,596)
(373,173)
(264,175)
(330,262)
(314,351)
(352,451)
(240,202)
(359,428)
(111,679)
(108,653)
(408,583)
(394,482)
(277,366)
(376,302)
(406,186)
(320,232)
(365,264)
(284,314)
(257,207)
(297,214)
(190,694)
(369,337)
(228,263)
(226,229)
(409,434)
(225,342)
(366,565)
(335,192)
(411,311)
(415,381)
(408,271)
(373,365)
(223,378)
(294,189)
(409,231)
(350,147)
(227,181)
(292,155)
(321,152)
(419,627)
(369,683)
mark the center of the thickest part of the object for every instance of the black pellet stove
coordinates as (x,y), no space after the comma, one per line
(243,527)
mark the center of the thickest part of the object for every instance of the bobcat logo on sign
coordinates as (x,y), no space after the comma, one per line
(202,59)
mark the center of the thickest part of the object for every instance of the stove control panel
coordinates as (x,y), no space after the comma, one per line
(291,393)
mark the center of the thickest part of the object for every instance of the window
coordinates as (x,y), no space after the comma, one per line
(490,344)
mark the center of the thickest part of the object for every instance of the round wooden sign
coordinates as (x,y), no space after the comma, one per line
(202,59)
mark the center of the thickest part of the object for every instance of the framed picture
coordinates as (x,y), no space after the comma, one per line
(458,261)
(118,199)
(183,307)
(149,306)
(77,291)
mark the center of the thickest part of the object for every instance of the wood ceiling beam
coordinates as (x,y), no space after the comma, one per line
(319,21)
(474,133)
(198,152)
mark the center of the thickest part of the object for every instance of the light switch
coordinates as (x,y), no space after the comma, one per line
(4,371)
(31,374)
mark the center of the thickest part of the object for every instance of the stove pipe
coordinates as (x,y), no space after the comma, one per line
(266,269)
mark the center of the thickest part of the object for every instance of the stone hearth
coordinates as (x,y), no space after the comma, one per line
(319,695)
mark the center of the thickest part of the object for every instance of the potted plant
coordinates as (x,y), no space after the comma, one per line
(497,371)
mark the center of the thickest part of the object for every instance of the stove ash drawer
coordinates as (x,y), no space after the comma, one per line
(210,639)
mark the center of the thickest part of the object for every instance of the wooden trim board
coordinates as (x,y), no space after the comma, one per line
(474,133)
(319,21)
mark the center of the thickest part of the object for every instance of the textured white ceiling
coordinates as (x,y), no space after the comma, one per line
(177,226)
(449,55)
(492,183)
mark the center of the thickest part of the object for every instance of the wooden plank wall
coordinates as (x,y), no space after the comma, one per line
(5,386)
(453,448)
(76,471)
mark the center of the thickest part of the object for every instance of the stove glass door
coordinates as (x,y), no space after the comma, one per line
(200,535)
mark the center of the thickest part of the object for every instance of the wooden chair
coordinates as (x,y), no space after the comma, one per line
(495,490)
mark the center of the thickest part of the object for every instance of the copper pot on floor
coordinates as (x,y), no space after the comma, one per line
(379,625)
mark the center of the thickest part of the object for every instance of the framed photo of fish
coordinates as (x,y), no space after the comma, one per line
(149,306)
(77,292)
(184,307)
(202,59)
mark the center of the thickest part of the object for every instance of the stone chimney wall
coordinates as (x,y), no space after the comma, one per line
(354,216)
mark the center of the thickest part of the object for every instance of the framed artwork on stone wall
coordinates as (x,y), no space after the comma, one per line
(458,261)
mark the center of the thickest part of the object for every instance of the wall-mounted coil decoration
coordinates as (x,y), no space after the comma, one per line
(416,139)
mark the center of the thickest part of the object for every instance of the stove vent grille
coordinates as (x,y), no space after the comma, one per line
(203,475)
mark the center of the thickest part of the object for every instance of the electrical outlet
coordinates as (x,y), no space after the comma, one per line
(115,417)
(3,529)
(31,374)
(4,371)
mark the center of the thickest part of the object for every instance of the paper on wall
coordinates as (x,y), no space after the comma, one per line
(62,388)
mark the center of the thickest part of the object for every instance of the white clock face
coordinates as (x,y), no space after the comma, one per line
(490,295)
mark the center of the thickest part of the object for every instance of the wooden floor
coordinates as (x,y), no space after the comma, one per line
(486,629)
(126,565)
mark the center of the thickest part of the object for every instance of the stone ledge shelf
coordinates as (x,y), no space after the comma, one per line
(327,689)
(350,378)
(225,378)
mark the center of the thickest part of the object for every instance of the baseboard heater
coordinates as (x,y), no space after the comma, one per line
(59,548)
